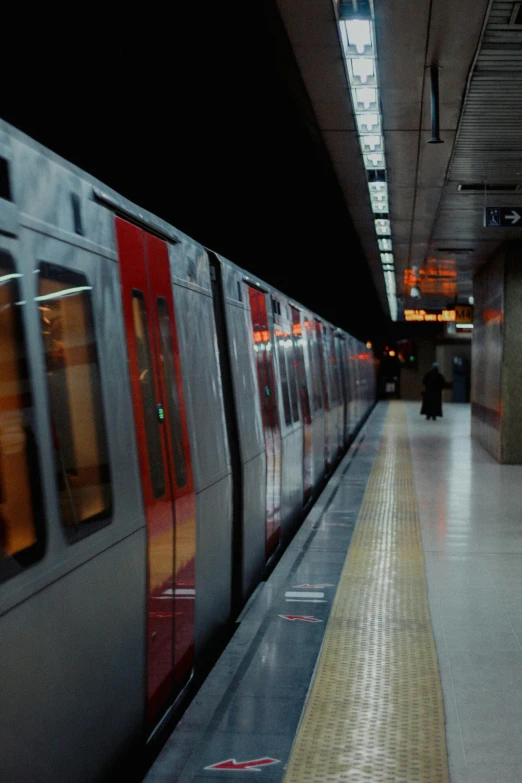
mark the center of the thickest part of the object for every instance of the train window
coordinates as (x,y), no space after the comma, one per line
(333,370)
(297,331)
(75,395)
(21,516)
(73,378)
(282,350)
(5,187)
(171,385)
(292,377)
(148,394)
(317,367)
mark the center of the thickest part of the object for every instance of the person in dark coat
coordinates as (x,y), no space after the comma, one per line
(432,386)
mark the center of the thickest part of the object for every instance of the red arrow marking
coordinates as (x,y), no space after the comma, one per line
(305,618)
(250,766)
(314,586)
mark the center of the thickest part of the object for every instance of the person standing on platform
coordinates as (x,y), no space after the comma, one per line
(432,386)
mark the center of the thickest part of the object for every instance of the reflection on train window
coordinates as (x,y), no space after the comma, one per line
(148,394)
(293,380)
(320,347)
(318,372)
(75,395)
(282,349)
(171,387)
(21,520)
(333,371)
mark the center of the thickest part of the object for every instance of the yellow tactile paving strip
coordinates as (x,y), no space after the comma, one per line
(375,712)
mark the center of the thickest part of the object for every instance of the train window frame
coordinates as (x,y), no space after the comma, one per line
(293,379)
(13,564)
(280,338)
(172,384)
(158,490)
(318,403)
(83,528)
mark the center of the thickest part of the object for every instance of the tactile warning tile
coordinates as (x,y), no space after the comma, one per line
(375,711)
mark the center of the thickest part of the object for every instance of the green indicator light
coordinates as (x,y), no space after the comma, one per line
(412,358)
(161,412)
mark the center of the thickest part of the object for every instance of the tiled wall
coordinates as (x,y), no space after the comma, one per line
(486,365)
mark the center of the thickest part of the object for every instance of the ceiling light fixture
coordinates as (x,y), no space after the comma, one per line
(359,34)
(357,29)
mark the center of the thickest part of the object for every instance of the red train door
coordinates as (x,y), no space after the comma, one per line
(269,412)
(165,465)
(297,332)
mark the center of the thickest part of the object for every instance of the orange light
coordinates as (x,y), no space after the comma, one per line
(392,353)
(261,336)
(421,315)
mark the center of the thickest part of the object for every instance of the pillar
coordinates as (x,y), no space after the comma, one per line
(496,386)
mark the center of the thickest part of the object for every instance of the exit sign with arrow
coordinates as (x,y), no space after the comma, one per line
(500,217)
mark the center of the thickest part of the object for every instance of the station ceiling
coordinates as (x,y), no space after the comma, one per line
(437,192)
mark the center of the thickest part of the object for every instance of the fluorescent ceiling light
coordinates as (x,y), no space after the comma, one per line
(369,122)
(378,188)
(380,207)
(372,143)
(359,34)
(392,302)
(362,70)
(11,276)
(389,278)
(358,37)
(373,160)
(365,97)
(382,227)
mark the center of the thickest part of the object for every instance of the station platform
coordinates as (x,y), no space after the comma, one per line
(387,643)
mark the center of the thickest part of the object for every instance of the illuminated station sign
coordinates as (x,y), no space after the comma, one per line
(462,314)
(433,316)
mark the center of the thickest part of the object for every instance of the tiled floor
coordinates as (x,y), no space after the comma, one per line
(471,523)
(250,705)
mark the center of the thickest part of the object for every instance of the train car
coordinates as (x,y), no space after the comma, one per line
(166,419)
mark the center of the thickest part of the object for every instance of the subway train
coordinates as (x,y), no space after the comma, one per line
(166,419)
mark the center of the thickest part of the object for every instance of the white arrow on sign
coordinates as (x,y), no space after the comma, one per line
(513,216)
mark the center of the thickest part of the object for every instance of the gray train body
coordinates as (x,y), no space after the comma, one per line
(73,621)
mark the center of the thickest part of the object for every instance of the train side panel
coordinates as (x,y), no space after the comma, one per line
(317,401)
(292,493)
(72,694)
(72,623)
(208,438)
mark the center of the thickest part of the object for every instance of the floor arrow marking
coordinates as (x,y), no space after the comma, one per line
(254,765)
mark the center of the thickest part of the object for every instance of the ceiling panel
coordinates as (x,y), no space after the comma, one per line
(488,149)
(312,28)
(480,58)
